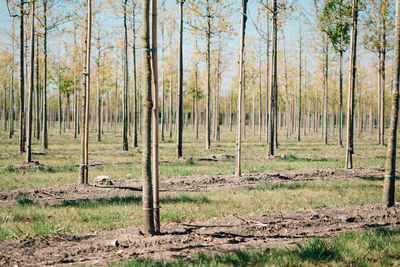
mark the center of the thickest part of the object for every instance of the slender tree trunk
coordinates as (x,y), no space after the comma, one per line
(352,78)
(170,105)
(382,98)
(30,92)
(179,136)
(238,170)
(83,170)
(340,115)
(98,129)
(299,95)
(273,85)
(147,197)
(125,87)
(208,130)
(75,86)
(11,105)
(390,173)
(325,119)
(259,94)
(267,99)
(162,83)
(156,197)
(135,100)
(37,107)
(21,82)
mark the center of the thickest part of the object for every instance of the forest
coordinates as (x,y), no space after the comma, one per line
(199,132)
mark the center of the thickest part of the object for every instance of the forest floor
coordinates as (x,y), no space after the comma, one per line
(301,194)
(121,188)
(184,240)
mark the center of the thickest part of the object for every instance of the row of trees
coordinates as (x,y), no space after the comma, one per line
(337,21)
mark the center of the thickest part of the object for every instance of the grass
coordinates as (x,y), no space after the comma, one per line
(31,218)
(379,247)
(59,164)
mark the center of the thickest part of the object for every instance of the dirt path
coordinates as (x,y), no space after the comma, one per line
(124,187)
(185,240)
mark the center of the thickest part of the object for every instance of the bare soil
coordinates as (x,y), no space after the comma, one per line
(185,240)
(125,187)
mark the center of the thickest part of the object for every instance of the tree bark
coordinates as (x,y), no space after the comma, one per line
(273,84)
(238,170)
(125,86)
(179,136)
(352,79)
(147,197)
(325,112)
(135,100)
(83,170)
(299,95)
(154,69)
(28,157)
(208,37)
(390,172)
(21,82)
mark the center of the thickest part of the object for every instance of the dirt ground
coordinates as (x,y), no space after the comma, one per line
(124,187)
(185,240)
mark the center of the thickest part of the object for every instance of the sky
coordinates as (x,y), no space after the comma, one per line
(113,24)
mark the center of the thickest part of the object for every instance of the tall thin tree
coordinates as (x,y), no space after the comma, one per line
(238,171)
(30,92)
(83,170)
(352,81)
(390,173)
(179,118)
(147,196)
(154,69)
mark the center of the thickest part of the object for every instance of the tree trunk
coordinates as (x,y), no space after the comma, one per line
(147,197)
(208,37)
(325,112)
(273,85)
(135,100)
(156,197)
(299,95)
(352,79)
(383,86)
(179,109)
(21,82)
(238,170)
(83,170)
(37,107)
(125,86)
(390,173)
(340,115)
(30,92)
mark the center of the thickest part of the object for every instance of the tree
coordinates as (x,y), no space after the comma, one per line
(147,197)
(135,101)
(334,21)
(154,69)
(390,173)
(28,158)
(238,171)
(378,24)
(210,11)
(179,118)
(83,169)
(125,87)
(352,81)
(21,80)
(273,81)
